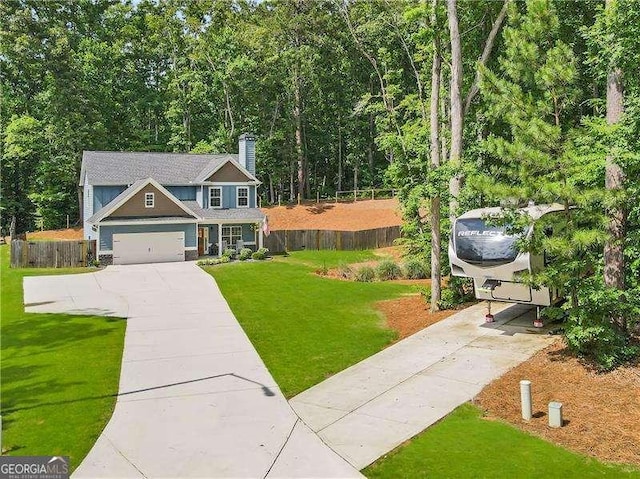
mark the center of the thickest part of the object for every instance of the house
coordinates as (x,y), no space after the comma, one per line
(159,207)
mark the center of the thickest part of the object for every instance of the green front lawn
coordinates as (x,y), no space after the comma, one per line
(463,445)
(306,327)
(59,373)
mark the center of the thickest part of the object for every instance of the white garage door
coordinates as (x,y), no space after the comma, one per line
(135,248)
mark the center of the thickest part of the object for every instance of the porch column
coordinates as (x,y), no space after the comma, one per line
(260,237)
(219,239)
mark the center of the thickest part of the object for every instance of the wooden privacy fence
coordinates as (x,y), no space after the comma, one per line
(52,254)
(280,241)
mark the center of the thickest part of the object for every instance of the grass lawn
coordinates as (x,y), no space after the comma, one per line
(59,373)
(463,445)
(305,327)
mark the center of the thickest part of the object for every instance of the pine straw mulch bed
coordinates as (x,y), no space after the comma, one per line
(409,314)
(63,234)
(351,216)
(601,410)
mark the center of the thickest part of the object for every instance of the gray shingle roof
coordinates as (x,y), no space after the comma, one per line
(239,214)
(124,168)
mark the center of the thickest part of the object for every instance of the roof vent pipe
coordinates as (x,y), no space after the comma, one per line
(247,152)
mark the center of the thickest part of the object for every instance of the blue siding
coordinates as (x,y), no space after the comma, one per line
(103,195)
(184,193)
(229,196)
(248,233)
(106,232)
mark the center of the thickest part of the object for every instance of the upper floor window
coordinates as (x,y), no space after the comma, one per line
(149,200)
(215,197)
(242,196)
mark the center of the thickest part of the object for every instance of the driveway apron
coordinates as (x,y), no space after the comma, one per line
(195,399)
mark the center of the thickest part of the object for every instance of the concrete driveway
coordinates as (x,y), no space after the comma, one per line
(372,407)
(195,399)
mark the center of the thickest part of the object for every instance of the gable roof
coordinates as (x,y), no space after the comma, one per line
(128,193)
(125,168)
(213,167)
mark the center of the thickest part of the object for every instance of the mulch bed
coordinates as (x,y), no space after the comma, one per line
(63,234)
(601,410)
(409,314)
(352,216)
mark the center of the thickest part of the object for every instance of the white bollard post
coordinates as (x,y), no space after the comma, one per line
(555,414)
(525,399)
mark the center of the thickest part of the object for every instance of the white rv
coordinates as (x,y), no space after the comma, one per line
(489,256)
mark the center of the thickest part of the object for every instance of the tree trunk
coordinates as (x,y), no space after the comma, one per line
(456,106)
(297,115)
(370,149)
(444,118)
(355,179)
(434,121)
(614,178)
(339,156)
(488,47)
(272,199)
(292,187)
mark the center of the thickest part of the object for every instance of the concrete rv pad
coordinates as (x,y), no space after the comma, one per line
(195,399)
(372,407)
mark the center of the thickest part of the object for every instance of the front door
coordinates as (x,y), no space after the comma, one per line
(202,240)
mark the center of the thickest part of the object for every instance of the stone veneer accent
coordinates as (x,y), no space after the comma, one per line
(105,259)
(190,255)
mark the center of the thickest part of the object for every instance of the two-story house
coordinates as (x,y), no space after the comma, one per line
(158,207)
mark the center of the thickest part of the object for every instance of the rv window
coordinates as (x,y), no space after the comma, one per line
(479,243)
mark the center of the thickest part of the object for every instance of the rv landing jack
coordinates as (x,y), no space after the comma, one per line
(488,318)
(538,322)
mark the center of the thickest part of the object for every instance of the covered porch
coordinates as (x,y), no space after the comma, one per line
(215,237)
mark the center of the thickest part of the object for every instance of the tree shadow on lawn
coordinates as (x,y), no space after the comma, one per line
(46,332)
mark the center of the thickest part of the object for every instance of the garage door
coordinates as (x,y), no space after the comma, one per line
(135,248)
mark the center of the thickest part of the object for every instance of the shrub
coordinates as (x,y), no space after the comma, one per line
(229,253)
(223,259)
(366,274)
(416,269)
(590,332)
(447,299)
(387,270)
(259,255)
(245,254)
(425,292)
(345,271)
(458,291)
(208,262)
(264,251)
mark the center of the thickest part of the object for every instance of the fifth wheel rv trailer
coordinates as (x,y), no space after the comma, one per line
(488,254)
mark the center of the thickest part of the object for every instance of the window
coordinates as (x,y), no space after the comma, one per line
(149,200)
(215,197)
(231,234)
(242,196)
